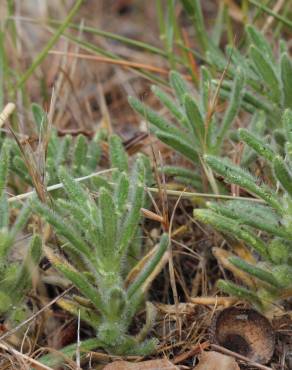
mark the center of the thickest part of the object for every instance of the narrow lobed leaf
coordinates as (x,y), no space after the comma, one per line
(267,72)
(39,115)
(195,117)
(149,267)
(258,39)
(257,144)
(80,151)
(4,212)
(234,105)
(109,223)
(236,175)
(286,76)
(287,124)
(255,271)
(118,155)
(240,292)
(4,165)
(121,192)
(194,10)
(169,103)
(63,229)
(136,202)
(178,85)
(205,88)
(283,174)
(78,279)
(258,216)
(21,220)
(73,188)
(157,121)
(227,225)
(179,144)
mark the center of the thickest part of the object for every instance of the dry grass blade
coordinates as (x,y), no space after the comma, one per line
(140,265)
(123,63)
(271,18)
(23,196)
(192,352)
(213,104)
(193,195)
(216,301)
(172,272)
(36,175)
(36,365)
(7,111)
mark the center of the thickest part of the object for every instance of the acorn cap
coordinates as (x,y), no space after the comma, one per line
(244,331)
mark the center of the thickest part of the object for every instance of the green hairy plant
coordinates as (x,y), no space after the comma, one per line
(255,79)
(265,63)
(15,276)
(267,74)
(266,227)
(197,129)
(268,77)
(80,155)
(99,231)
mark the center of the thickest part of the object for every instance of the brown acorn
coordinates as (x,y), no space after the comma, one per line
(244,331)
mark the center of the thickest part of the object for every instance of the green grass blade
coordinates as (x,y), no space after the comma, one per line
(193,9)
(170,28)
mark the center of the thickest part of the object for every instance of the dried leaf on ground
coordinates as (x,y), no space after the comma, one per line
(161,364)
(214,360)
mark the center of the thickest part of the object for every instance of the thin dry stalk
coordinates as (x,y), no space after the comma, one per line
(279,4)
(36,365)
(192,352)
(217,301)
(123,63)
(226,351)
(7,111)
(31,318)
(23,196)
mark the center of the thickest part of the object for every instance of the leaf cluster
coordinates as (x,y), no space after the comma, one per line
(80,155)
(99,231)
(251,221)
(268,76)
(197,129)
